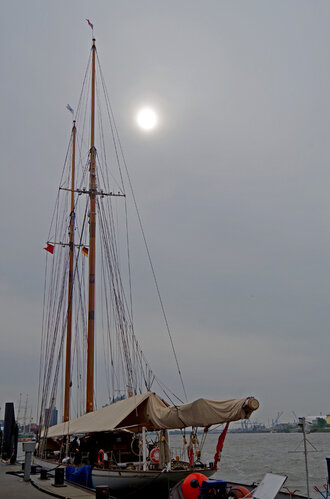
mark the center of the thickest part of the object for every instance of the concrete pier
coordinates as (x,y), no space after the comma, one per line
(15,487)
(12,486)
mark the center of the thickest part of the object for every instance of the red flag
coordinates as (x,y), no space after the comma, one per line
(85,251)
(220,446)
(90,23)
(50,248)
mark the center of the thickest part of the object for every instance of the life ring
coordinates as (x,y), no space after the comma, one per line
(100,457)
(238,491)
(154,455)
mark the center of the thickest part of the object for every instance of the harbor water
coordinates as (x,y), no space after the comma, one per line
(247,457)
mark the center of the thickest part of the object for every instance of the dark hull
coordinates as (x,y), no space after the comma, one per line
(133,483)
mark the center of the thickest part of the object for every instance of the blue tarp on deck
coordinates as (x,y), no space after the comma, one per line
(81,476)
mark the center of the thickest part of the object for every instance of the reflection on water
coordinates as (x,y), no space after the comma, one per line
(247,457)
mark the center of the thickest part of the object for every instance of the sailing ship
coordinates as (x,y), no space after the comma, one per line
(126,443)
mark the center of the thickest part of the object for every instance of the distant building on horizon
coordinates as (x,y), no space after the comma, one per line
(52,417)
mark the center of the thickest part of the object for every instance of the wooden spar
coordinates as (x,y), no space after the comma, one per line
(91,253)
(70,289)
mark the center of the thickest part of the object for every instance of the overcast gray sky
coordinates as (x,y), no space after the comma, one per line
(233,186)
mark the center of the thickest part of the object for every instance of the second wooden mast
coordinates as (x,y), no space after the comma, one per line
(91,252)
(67,384)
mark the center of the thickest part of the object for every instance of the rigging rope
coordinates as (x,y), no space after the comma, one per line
(116,135)
(127,366)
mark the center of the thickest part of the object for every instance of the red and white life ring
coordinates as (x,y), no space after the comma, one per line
(239,491)
(154,455)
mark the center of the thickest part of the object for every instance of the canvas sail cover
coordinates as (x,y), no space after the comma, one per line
(201,412)
(151,411)
(105,419)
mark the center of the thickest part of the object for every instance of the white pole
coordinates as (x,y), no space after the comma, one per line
(303,421)
(144,448)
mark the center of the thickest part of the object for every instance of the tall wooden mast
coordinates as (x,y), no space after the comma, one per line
(70,289)
(91,253)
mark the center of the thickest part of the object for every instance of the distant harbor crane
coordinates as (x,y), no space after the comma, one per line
(276,420)
(296,419)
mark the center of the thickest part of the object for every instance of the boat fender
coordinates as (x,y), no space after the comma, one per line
(154,455)
(238,491)
(100,457)
(191,485)
(190,452)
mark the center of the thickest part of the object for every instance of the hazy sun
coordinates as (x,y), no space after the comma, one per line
(147,118)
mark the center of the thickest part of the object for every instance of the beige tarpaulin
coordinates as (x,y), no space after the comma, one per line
(201,412)
(151,411)
(107,418)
